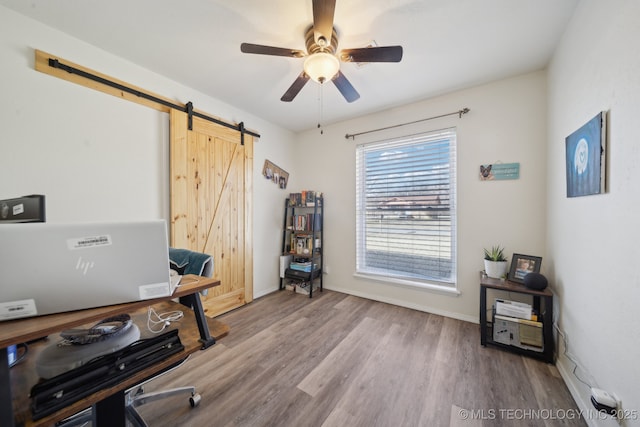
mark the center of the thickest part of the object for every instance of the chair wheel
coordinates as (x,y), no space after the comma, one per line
(195,400)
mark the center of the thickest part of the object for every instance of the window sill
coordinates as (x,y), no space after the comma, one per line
(431,287)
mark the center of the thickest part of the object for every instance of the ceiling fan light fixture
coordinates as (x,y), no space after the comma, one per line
(321,66)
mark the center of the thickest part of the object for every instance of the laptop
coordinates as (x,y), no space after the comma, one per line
(52,268)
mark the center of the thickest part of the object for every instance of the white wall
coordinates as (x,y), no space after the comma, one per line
(99,158)
(507,123)
(96,157)
(593,240)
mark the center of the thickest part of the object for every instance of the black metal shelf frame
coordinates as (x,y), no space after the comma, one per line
(317,251)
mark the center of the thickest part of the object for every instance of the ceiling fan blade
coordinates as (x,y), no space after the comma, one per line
(297,85)
(270,50)
(345,87)
(323,11)
(372,54)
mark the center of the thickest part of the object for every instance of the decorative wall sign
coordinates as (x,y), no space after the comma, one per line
(586,149)
(499,171)
(274,173)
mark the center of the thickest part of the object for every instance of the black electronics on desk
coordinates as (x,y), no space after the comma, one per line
(23,209)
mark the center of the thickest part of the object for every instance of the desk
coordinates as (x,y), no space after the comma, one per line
(16,382)
(545,309)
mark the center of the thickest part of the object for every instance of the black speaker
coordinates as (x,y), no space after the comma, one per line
(535,281)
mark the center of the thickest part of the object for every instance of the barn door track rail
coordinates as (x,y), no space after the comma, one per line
(66,70)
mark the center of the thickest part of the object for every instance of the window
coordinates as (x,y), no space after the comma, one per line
(406,209)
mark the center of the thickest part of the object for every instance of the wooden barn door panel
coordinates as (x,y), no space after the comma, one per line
(211,187)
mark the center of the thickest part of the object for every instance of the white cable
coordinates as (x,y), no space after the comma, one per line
(163,319)
(570,356)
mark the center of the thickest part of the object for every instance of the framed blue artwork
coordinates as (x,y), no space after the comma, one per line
(585,150)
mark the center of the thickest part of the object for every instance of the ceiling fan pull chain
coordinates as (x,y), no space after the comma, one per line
(321,105)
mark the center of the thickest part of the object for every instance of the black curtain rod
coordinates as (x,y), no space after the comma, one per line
(459,113)
(188,108)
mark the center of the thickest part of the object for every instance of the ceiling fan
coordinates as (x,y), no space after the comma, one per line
(321,62)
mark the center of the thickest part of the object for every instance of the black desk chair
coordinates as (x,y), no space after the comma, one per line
(136,397)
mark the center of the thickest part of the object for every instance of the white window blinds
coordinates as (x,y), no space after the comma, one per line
(406,208)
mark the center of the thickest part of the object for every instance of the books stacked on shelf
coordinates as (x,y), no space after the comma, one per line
(303,266)
(520,310)
(516,324)
(304,198)
(305,222)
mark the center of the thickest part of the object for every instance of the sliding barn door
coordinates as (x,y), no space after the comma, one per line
(211,185)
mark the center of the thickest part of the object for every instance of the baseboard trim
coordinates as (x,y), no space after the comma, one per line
(406,304)
(264,292)
(581,395)
(400,303)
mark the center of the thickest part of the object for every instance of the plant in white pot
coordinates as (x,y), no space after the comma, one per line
(495,263)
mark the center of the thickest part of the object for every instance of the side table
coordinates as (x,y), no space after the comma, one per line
(542,303)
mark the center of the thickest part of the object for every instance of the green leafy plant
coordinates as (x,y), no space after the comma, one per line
(495,254)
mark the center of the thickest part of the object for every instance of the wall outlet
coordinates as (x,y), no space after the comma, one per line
(325,270)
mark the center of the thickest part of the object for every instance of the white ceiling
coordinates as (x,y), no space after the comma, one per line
(448,45)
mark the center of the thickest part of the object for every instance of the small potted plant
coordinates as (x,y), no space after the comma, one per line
(495,263)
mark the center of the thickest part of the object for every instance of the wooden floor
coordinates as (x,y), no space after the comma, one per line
(339,360)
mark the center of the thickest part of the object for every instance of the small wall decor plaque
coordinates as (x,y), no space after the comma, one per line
(274,173)
(499,171)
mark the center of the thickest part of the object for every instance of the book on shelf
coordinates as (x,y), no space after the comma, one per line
(304,198)
(295,199)
(513,309)
(301,222)
(534,323)
(305,222)
(303,266)
(300,263)
(310,198)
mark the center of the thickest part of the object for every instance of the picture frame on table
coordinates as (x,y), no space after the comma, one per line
(521,265)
